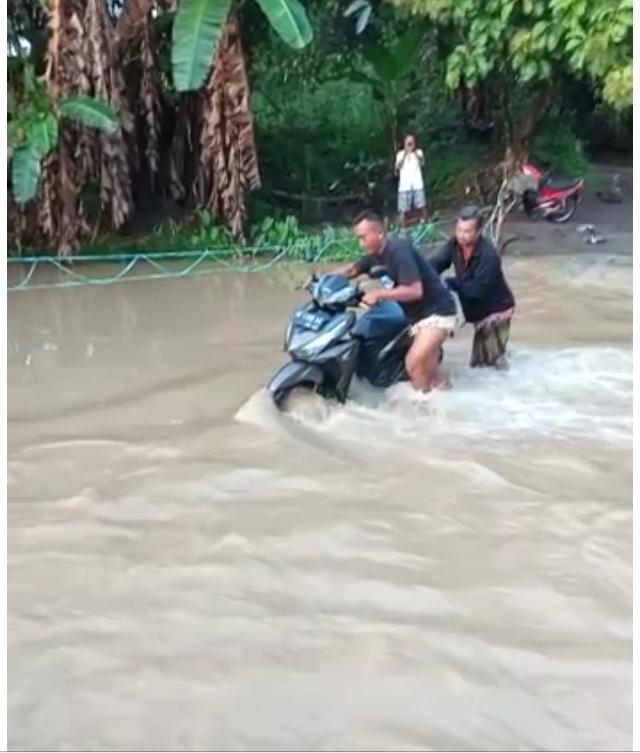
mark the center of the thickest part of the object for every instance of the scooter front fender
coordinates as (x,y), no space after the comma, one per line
(293,374)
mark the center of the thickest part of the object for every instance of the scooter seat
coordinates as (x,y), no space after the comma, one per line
(561,184)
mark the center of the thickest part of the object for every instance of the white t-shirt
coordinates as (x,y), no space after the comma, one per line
(410,172)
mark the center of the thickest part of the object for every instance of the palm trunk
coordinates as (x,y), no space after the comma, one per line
(228,159)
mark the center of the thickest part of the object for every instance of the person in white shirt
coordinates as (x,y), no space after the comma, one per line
(409,162)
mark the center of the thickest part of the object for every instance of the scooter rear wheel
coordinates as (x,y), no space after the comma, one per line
(564,215)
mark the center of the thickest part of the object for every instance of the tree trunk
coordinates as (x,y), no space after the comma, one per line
(211,161)
(228,158)
(525,131)
(82,59)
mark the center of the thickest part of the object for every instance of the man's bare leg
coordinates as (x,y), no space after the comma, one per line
(422,361)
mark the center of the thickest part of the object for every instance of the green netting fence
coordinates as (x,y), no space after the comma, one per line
(26,272)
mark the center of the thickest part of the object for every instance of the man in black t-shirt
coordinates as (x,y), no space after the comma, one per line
(426,300)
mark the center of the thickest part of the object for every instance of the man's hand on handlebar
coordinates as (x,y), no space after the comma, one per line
(308,282)
(371,297)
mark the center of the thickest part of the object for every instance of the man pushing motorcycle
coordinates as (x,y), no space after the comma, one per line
(428,304)
(481,287)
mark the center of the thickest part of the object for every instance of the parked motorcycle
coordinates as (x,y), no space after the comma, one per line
(554,199)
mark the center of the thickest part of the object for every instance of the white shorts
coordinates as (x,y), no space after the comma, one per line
(450,324)
(414,198)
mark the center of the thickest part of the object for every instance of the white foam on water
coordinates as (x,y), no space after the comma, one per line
(298,423)
(612,273)
(565,393)
(302,406)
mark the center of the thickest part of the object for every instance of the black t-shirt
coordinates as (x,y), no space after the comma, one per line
(405,266)
(479,283)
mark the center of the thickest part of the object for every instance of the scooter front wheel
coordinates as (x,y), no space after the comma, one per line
(286,398)
(305,403)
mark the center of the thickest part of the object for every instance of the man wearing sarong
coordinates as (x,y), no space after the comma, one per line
(486,300)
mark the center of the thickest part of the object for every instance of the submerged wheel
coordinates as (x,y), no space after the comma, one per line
(285,398)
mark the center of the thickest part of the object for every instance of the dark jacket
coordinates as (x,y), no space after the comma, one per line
(480,284)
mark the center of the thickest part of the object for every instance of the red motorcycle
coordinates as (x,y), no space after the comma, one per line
(542,196)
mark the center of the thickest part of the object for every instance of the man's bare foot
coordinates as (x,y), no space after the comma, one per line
(501,364)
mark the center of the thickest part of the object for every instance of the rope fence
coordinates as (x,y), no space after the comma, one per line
(81,269)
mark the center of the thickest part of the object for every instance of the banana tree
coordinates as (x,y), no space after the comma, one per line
(199,25)
(206,54)
(33,129)
(389,69)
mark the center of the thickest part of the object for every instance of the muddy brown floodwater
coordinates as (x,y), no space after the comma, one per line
(190,570)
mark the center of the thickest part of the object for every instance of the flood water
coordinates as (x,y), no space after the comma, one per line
(189,569)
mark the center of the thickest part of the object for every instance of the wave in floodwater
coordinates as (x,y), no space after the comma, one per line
(424,572)
(566,392)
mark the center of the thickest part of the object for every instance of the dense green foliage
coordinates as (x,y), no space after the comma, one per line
(34,126)
(199,24)
(332,103)
(520,48)
(358,90)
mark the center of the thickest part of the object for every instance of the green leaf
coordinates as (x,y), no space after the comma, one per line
(540,29)
(573,43)
(289,19)
(382,62)
(25,174)
(196,30)
(545,69)
(90,112)
(355,6)
(42,134)
(483,66)
(363,20)
(528,72)
(553,39)
(406,51)
(453,78)
(15,133)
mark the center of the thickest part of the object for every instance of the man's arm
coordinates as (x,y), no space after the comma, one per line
(420,154)
(399,159)
(355,269)
(401,293)
(441,259)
